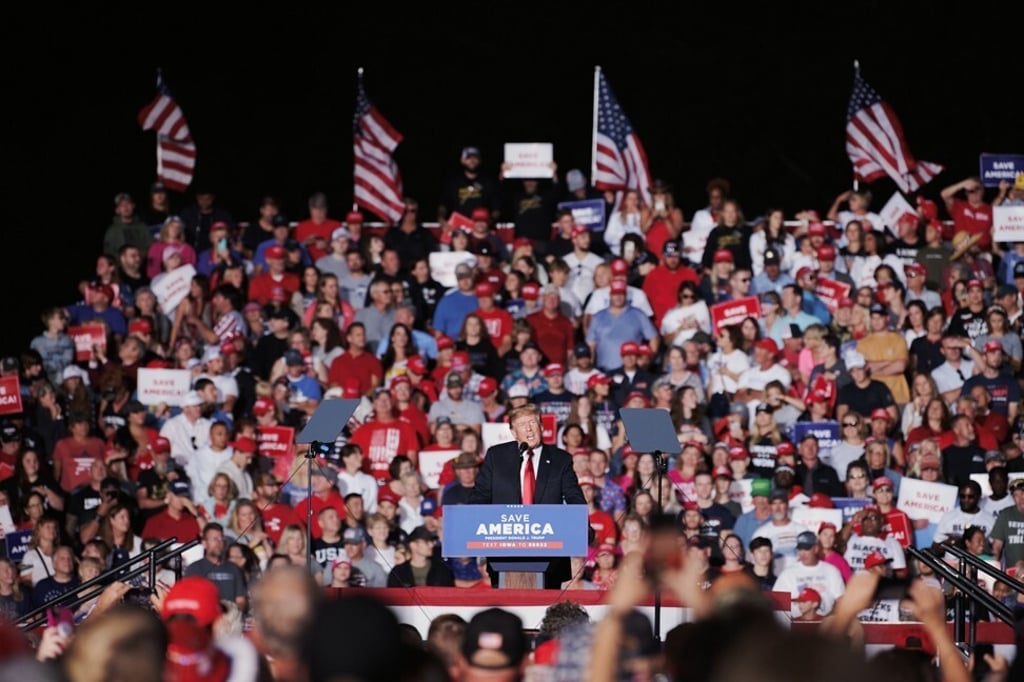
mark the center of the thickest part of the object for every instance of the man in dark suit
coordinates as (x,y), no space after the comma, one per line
(502,475)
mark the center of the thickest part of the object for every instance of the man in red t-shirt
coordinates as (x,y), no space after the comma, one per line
(276,515)
(972,215)
(497,321)
(274,283)
(356,362)
(324,482)
(179,519)
(552,330)
(315,232)
(384,437)
(662,283)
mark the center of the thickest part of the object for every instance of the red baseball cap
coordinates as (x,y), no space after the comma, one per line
(416,364)
(159,444)
(399,380)
(553,368)
(353,217)
(722,472)
(738,452)
(480,213)
(808,594)
(619,266)
(386,494)
(484,289)
(460,360)
(880,413)
(629,348)
(520,242)
(637,395)
(598,378)
(531,291)
(262,406)
(577,230)
(785,448)
(821,501)
(975,284)
(618,286)
(876,558)
(275,251)
(444,342)
(723,256)
(140,327)
(244,444)
(882,482)
(816,229)
(804,271)
(193,596)
(992,346)
(228,347)
(768,345)
(826,252)
(488,385)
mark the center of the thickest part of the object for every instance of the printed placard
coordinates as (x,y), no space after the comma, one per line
(896,525)
(87,337)
(549,428)
(432,464)
(528,160)
(998,167)
(926,500)
(457,221)
(827,433)
(849,506)
(831,292)
(495,433)
(986,489)
(278,443)
(17,544)
(10,394)
(171,289)
(733,312)
(515,530)
(443,264)
(894,210)
(814,517)
(157,386)
(589,212)
(1008,223)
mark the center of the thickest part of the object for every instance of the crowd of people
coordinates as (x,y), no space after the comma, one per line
(865,357)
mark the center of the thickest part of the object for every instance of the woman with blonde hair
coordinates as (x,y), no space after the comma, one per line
(220,501)
(922,390)
(293,546)
(14,601)
(37,563)
(629,218)
(879,458)
(245,527)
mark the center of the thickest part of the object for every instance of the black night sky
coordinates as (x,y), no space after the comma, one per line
(756,93)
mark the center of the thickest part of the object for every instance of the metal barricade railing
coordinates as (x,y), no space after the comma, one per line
(146,562)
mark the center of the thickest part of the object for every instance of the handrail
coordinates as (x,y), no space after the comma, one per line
(144,562)
(966,587)
(988,568)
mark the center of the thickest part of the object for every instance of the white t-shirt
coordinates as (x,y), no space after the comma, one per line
(783,542)
(635,297)
(675,317)
(860,546)
(736,362)
(756,378)
(956,520)
(822,577)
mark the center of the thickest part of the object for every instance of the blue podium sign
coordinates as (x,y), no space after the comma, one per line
(515,530)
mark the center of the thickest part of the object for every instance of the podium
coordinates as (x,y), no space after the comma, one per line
(519,541)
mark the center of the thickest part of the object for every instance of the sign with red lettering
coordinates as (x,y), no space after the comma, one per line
(10,395)
(1008,223)
(813,517)
(432,464)
(277,442)
(458,221)
(733,312)
(168,386)
(896,526)
(171,289)
(926,500)
(831,292)
(549,428)
(87,337)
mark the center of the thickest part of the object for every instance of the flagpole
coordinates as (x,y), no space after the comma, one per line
(856,71)
(355,206)
(159,150)
(593,135)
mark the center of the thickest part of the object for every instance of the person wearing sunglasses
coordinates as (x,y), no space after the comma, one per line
(966,205)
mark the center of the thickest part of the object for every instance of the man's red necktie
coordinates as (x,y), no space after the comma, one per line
(529,479)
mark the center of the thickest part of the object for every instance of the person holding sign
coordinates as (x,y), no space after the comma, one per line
(525,471)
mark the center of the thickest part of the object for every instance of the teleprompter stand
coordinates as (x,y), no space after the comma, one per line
(651,430)
(320,433)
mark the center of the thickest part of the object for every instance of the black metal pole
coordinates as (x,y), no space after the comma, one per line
(657,585)
(314,448)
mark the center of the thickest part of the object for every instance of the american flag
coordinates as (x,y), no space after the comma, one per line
(875,142)
(619,159)
(175,151)
(378,184)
